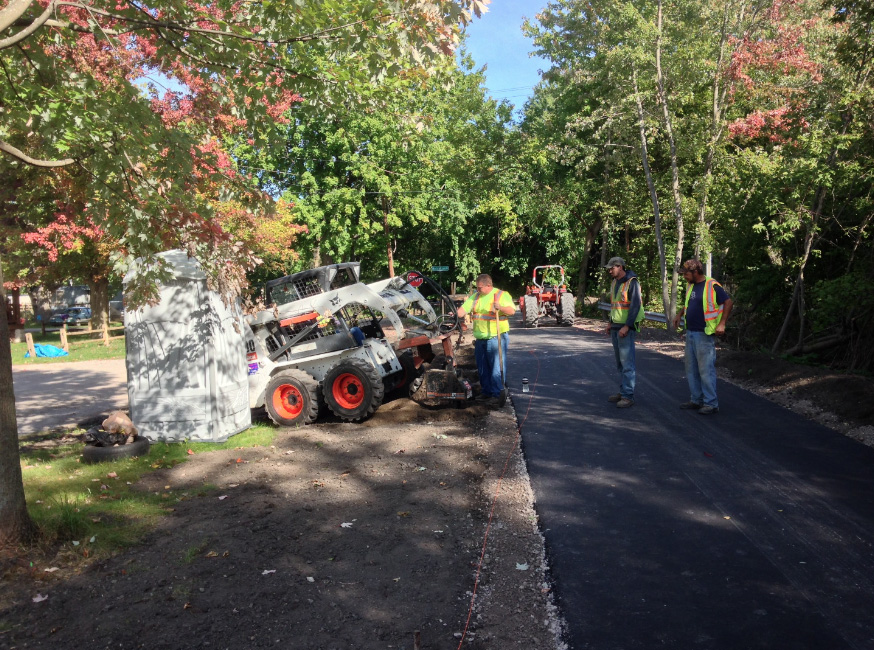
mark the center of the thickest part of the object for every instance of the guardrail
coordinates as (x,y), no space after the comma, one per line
(648,315)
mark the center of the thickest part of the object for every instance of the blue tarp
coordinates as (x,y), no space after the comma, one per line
(43,350)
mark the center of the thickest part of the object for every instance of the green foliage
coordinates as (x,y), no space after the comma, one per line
(148,164)
(843,303)
(416,179)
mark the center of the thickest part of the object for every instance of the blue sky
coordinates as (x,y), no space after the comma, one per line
(496,41)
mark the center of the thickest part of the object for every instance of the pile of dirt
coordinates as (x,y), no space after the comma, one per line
(337,536)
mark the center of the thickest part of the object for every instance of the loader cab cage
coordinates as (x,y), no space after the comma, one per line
(311,282)
(366,319)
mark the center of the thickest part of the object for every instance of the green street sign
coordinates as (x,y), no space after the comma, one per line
(435,269)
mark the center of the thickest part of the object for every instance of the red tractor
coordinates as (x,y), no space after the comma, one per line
(547,295)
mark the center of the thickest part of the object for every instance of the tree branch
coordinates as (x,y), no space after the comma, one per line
(178,27)
(8,149)
(14,13)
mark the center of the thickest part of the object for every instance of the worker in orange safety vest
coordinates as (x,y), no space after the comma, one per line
(704,315)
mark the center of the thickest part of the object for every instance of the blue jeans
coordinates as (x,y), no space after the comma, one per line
(624,349)
(701,368)
(486,353)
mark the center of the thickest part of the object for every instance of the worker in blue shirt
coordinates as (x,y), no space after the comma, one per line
(705,314)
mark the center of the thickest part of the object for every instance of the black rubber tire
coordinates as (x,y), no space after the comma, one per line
(530,311)
(400,382)
(139,447)
(567,307)
(353,390)
(292,398)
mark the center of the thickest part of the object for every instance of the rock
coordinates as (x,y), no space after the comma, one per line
(118,422)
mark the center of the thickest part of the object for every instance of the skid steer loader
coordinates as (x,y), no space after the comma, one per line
(332,341)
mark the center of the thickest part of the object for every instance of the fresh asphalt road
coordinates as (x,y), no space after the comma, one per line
(752,528)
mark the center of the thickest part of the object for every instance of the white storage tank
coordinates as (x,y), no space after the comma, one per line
(186,360)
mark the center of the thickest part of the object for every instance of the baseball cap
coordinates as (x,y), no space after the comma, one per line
(615,261)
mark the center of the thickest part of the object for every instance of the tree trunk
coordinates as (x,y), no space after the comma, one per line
(675,172)
(583,274)
(16,526)
(716,131)
(99,302)
(810,239)
(660,242)
(41,301)
(859,239)
(387,231)
(797,297)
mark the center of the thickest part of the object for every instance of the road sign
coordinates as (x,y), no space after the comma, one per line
(414,279)
(436,269)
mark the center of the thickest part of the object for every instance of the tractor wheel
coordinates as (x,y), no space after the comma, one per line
(530,311)
(566,309)
(353,389)
(400,382)
(292,398)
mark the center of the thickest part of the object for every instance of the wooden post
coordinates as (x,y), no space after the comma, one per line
(64,345)
(105,332)
(30,348)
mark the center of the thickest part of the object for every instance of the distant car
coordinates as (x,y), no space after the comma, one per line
(71,316)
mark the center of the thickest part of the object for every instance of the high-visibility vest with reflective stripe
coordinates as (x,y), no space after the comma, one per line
(483,316)
(620,304)
(712,311)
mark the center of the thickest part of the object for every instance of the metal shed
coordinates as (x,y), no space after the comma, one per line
(186,360)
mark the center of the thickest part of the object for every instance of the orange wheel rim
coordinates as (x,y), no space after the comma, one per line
(288,401)
(348,391)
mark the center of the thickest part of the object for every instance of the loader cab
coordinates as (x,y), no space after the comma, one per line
(311,282)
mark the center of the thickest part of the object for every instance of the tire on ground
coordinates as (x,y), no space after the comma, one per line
(567,307)
(139,447)
(353,389)
(292,398)
(400,382)
(530,311)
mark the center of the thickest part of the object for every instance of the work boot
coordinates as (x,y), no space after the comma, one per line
(614,398)
(708,410)
(624,403)
(689,406)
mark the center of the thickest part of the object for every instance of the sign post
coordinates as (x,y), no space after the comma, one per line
(440,269)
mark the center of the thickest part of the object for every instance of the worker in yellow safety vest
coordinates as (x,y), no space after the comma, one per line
(482,306)
(704,315)
(626,313)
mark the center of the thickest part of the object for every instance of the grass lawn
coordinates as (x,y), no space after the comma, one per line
(81,348)
(91,510)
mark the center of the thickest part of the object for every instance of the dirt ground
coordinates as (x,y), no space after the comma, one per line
(339,536)
(355,536)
